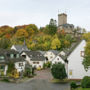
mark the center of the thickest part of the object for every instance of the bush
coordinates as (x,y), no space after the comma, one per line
(47,65)
(6,80)
(73,85)
(58,71)
(28,72)
(85,83)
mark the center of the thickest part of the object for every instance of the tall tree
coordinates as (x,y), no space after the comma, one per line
(86,61)
(51,29)
(21,34)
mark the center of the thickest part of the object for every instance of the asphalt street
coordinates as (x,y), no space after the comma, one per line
(35,84)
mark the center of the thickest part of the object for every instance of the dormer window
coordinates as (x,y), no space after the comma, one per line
(24,56)
(1,57)
(30,55)
(20,64)
(17,56)
(8,55)
(11,56)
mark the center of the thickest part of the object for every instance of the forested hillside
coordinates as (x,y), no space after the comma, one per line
(44,38)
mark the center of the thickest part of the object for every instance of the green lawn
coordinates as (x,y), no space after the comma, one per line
(63,81)
(82,89)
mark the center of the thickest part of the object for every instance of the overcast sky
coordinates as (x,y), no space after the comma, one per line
(39,12)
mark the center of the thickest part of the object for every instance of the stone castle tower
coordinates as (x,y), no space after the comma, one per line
(63,25)
(62,19)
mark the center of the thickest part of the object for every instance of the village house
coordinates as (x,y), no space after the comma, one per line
(60,58)
(20,48)
(34,58)
(50,55)
(72,58)
(7,56)
(76,69)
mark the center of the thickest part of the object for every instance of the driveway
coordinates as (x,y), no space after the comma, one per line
(43,74)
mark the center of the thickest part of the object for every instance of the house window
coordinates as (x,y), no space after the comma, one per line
(46,58)
(20,64)
(1,57)
(57,58)
(11,55)
(34,62)
(17,56)
(37,62)
(2,67)
(70,72)
(24,56)
(82,54)
(51,57)
(8,55)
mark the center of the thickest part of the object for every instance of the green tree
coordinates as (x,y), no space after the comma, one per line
(51,29)
(86,61)
(58,71)
(69,38)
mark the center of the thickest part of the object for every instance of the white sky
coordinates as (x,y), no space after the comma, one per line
(39,12)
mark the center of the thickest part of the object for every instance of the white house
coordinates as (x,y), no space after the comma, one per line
(20,48)
(75,67)
(34,58)
(62,59)
(51,54)
(7,56)
(58,59)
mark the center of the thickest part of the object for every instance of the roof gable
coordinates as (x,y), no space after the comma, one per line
(35,55)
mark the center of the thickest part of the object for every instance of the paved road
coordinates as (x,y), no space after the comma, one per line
(35,84)
(40,82)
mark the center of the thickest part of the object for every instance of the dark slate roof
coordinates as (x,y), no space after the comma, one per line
(67,25)
(7,59)
(42,52)
(54,51)
(68,51)
(21,48)
(35,55)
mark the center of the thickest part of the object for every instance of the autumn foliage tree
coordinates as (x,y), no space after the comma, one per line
(86,61)
(21,34)
(55,44)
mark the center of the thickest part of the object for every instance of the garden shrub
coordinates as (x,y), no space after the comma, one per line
(6,80)
(85,83)
(47,65)
(28,72)
(58,71)
(73,85)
